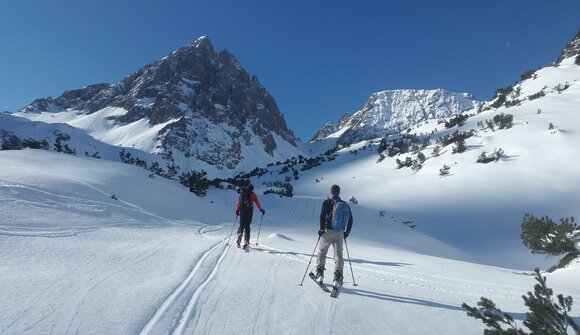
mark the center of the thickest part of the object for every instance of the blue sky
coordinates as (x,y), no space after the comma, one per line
(319,59)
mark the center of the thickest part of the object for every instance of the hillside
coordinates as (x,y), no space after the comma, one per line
(155,261)
(477,207)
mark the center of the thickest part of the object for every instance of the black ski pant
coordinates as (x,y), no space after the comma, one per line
(245,221)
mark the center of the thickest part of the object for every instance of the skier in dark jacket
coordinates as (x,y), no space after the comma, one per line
(335,217)
(245,209)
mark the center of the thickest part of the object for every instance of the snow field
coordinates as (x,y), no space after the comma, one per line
(156,262)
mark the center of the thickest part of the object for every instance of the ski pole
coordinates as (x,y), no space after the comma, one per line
(234,226)
(313,251)
(259,228)
(352,273)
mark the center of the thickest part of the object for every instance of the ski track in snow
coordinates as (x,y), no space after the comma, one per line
(177,312)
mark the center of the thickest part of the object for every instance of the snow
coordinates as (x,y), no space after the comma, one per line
(93,246)
(392,111)
(478,208)
(74,260)
(139,134)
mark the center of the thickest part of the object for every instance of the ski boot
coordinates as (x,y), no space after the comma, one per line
(239,240)
(319,274)
(337,278)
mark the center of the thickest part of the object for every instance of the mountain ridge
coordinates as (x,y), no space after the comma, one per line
(191,90)
(391,111)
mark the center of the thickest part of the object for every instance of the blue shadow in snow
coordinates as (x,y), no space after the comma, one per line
(399,299)
(366,261)
(354,260)
(414,301)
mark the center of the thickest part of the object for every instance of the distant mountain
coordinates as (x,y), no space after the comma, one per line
(328,129)
(391,111)
(195,108)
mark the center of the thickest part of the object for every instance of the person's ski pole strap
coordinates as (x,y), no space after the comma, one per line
(348,254)
(310,261)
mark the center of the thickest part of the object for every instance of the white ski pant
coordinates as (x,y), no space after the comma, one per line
(336,239)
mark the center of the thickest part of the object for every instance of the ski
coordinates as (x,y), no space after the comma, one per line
(335,291)
(313,277)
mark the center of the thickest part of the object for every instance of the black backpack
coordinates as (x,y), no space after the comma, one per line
(245,200)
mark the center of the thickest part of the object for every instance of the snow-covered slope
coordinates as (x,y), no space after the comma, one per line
(155,261)
(195,109)
(17,133)
(477,208)
(392,111)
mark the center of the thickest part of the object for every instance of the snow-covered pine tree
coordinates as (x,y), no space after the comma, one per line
(544,236)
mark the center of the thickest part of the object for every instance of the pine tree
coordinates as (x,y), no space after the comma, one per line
(497,153)
(444,171)
(504,121)
(483,158)
(459,146)
(545,317)
(544,236)
(421,157)
(436,151)
(493,318)
(58,145)
(196,181)
(416,166)
(155,168)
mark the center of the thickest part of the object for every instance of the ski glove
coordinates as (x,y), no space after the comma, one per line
(263,211)
(237,213)
(321,232)
(346,235)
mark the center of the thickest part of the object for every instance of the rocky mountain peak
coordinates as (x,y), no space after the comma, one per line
(343,120)
(572,49)
(328,129)
(392,111)
(196,93)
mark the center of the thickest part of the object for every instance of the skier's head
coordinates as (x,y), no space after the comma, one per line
(335,190)
(251,188)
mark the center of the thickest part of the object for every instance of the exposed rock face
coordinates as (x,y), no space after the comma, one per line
(211,106)
(395,110)
(328,129)
(572,49)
